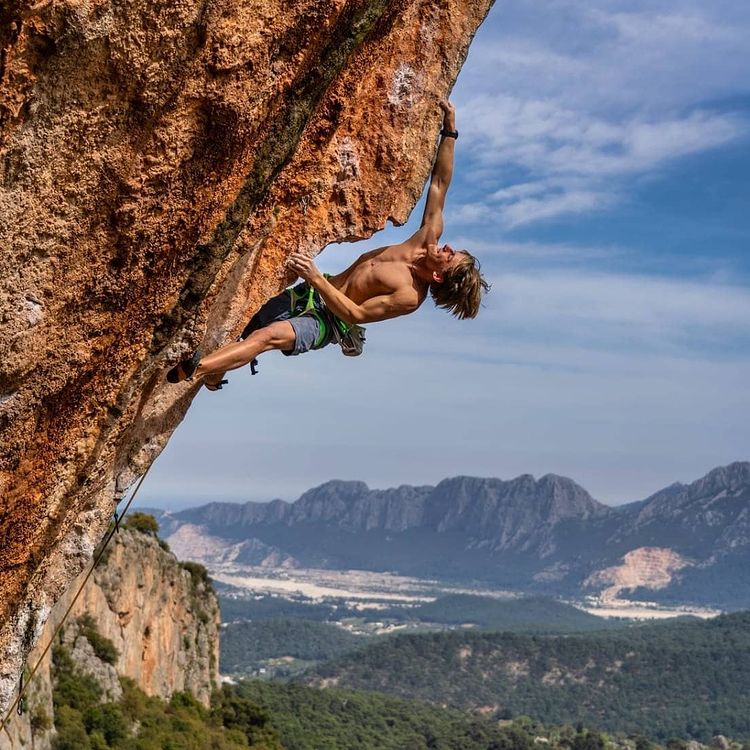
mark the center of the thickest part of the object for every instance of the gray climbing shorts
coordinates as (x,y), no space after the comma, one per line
(312,330)
(308,334)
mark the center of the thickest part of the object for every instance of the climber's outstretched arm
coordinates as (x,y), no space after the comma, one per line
(442,172)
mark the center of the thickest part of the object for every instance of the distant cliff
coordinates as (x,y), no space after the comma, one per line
(511,514)
(161,617)
(686,543)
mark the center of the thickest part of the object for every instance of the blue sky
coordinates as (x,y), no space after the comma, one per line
(601,177)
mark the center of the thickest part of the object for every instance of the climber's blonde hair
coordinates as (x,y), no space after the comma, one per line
(461,289)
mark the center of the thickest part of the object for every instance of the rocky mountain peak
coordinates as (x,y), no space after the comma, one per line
(330,501)
(567,499)
(342,490)
(676,499)
(520,514)
(550,493)
(730,478)
(542,533)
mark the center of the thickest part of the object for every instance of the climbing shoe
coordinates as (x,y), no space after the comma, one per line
(184,370)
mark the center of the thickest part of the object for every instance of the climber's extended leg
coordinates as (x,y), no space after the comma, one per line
(278,335)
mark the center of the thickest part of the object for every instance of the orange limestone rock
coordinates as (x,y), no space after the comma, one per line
(158,162)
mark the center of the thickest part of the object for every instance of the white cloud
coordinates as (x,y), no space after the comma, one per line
(670,56)
(491,251)
(648,144)
(470,213)
(595,324)
(549,138)
(657,30)
(578,161)
(515,192)
(527,210)
(633,308)
(596,96)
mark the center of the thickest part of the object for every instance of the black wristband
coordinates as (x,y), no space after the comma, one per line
(449,133)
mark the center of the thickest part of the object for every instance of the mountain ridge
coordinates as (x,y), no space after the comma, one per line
(546,535)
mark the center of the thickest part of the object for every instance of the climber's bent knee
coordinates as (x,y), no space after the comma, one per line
(278,335)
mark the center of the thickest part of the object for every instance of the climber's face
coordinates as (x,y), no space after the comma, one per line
(442,259)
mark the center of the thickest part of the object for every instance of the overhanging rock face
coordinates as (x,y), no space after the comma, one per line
(158,162)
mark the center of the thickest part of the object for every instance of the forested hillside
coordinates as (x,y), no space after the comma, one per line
(525,614)
(247,646)
(332,719)
(286,637)
(685,678)
(85,718)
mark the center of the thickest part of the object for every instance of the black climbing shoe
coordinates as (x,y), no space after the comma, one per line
(184,370)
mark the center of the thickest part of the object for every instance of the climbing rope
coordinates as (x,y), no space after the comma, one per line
(24,684)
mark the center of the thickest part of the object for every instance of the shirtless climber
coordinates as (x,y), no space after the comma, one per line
(380,284)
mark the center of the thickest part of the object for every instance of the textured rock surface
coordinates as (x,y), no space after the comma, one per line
(164,625)
(158,162)
(85,658)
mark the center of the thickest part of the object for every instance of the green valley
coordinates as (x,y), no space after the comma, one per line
(679,678)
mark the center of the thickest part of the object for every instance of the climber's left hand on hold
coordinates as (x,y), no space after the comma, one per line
(302,264)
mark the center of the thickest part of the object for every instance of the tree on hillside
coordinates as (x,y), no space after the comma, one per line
(143,522)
